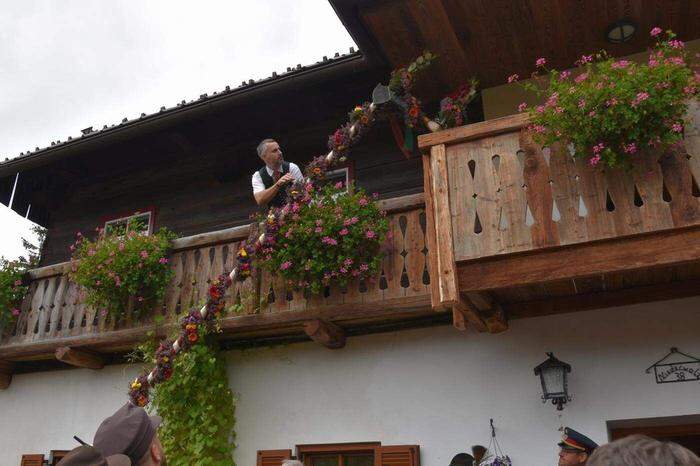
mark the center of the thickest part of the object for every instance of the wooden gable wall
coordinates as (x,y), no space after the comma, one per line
(197,175)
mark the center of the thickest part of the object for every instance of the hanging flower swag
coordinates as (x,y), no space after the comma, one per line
(323,234)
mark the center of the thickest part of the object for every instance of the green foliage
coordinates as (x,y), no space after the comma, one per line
(12,291)
(614,109)
(33,250)
(336,236)
(114,268)
(197,407)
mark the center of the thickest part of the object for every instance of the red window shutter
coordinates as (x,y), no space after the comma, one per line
(32,460)
(400,455)
(273,457)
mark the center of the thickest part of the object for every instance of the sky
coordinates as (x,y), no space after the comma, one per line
(70,64)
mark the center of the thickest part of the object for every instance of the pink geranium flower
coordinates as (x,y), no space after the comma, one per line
(540,61)
(370,234)
(285,265)
(512,78)
(655,31)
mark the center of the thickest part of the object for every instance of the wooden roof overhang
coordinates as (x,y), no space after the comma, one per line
(46,168)
(492,39)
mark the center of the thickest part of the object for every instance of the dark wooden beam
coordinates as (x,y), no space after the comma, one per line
(646,251)
(604,299)
(6,369)
(440,37)
(328,334)
(465,313)
(80,358)
(491,312)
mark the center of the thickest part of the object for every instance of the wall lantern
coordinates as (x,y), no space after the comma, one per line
(620,31)
(552,374)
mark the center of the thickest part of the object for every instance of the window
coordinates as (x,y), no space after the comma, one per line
(141,222)
(345,173)
(345,454)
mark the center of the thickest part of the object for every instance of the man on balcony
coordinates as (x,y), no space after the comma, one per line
(269,182)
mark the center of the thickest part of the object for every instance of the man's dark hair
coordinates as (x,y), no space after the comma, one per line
(462,459)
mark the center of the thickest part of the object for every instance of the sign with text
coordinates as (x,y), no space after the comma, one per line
(680,371)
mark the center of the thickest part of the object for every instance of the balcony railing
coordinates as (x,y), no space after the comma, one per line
(54,314)
(510,213)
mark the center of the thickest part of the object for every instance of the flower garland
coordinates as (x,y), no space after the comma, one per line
(198,323)
(194,326)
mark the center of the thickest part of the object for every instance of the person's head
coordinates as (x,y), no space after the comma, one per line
(640,450)
(131,432)
(89,456)
(462,459)
(575,448)
(270,153)
(478,451)
(292,463)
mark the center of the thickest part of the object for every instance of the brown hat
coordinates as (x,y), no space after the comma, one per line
(88,456)
(129,431)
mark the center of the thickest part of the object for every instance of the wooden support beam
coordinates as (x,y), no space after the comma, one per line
(80,358)
(646,251)
(490,311)
(326,333)
(465,313)
(6,369)
(604,299)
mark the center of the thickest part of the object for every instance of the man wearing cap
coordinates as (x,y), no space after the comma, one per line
(575,448)
(131,432)
(89,456)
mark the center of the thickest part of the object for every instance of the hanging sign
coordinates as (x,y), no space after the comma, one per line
(681,370)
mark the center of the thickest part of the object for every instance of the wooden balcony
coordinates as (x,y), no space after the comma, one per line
(538,231)
(54,316)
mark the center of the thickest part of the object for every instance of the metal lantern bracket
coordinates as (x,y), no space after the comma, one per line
(679,371)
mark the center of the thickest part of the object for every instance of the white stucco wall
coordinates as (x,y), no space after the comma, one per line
(434,387)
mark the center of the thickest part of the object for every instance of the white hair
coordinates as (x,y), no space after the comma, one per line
(263,144)
(292,463)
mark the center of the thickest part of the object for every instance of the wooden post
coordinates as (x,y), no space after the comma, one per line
(430,235)
(79,358)
(326,333)
(446,267)
(6,369)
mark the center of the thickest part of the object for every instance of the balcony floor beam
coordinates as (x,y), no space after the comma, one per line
(645,251)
